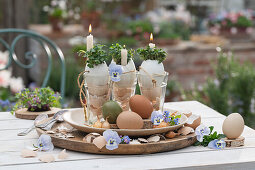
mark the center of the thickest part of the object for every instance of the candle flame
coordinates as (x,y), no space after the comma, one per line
(151,37)
(90,28)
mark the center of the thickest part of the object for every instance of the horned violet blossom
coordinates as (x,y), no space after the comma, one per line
(115,72)
(201,131)
(44,143)
(217,144)
(112,138)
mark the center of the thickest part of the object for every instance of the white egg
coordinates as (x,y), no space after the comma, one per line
(233,126)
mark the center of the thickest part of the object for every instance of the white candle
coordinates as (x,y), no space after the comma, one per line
(89,39)
(123,57)
(89,42)
(151,45)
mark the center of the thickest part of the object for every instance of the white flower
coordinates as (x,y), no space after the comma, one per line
(4,57)
(5,77)
(16,84)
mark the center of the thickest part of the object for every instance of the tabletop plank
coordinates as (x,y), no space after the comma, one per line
(152,161)
(11,145)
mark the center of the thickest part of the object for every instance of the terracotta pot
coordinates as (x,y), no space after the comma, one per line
(56,24)
(241,34)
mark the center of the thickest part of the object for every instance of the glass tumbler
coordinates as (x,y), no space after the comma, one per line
(154,88)
(98,92)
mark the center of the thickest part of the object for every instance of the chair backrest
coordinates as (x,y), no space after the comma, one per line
(46,45)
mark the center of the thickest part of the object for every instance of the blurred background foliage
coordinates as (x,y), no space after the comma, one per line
(230,87)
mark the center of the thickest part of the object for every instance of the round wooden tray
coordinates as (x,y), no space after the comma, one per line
(76,119)
(24,114)
(76,144)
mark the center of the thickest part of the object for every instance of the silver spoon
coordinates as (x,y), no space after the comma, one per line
(56,118)
(36,121)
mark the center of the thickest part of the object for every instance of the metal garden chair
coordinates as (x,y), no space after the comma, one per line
(45,43)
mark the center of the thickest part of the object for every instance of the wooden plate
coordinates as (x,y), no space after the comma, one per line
(76,144)
(76,119)
(24,114)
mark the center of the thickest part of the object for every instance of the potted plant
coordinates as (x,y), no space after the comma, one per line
(171,33)
(96,78)
(42,100)
(152,77)
(123,88)
(231,25)
(57,13)
(91,14)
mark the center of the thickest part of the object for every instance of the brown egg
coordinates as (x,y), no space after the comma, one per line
(141,105)
(129,120)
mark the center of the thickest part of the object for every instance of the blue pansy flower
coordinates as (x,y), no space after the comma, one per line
(217,144)
(44,143)
(156,117)
(115,72)
(167,116)
(112,138)
(176,121)
(201,131)
(125,139)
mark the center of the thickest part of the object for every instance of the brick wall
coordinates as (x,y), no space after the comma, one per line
(194,65)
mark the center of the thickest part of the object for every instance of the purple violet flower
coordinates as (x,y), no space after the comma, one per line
(167,116)
(115,72)
(156,117)
(201,131)
(176,121)
(217,144)
(125,139)
(112,138)
(44,143)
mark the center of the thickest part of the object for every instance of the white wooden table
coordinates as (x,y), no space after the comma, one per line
(187,158)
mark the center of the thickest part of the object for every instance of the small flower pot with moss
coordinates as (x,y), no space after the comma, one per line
(97,81)
(32,103)
(125,87)
(56,18)
(152,77)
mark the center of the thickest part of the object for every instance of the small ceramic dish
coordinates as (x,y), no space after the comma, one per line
(76,119)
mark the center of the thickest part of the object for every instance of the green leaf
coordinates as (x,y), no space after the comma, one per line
(211,128)
(220,136)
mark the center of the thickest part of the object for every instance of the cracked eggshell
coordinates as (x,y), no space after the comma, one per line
(90,137)
(171,134)
(26,153)
(233,126)
(185,130)
(100,142)
(62,154)
(142,140)
(97,76)
(133,142)
(153,68)
(177,110)
(47,158)
(153,139)
(193,121)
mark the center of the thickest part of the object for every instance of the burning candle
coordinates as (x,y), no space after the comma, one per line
(151,44)
(89,39)
(124,56)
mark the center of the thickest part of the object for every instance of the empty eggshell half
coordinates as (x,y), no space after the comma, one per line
(193,121)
